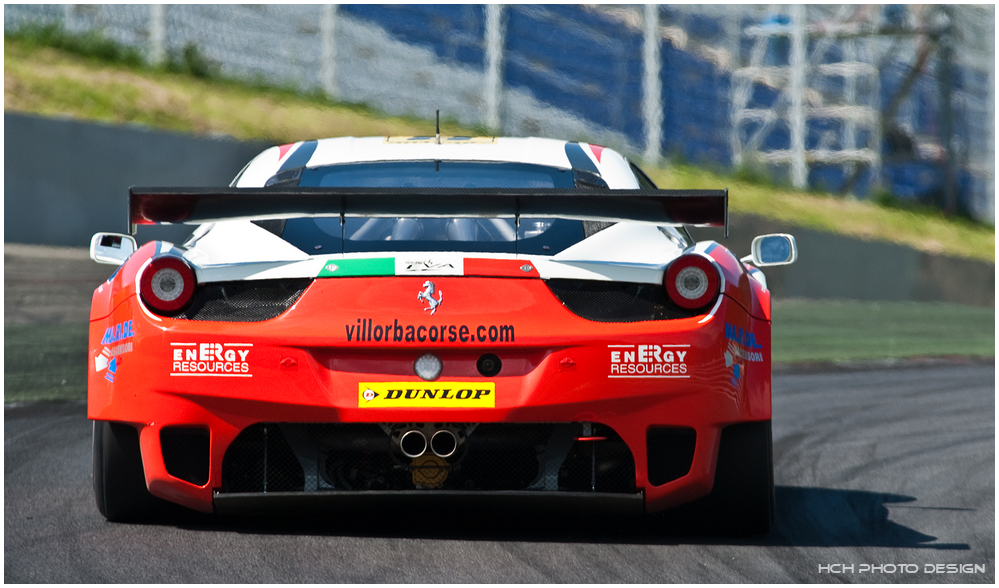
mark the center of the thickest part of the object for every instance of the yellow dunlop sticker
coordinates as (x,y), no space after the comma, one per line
(426,394)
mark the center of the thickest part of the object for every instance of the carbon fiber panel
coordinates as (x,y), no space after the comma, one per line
(616,302)
(244,301)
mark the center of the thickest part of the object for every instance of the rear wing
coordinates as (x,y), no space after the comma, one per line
(703,208)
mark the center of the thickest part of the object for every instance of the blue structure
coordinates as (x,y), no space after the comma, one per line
(578,72)
(590,65)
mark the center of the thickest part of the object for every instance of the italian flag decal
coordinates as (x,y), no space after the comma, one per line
(442,265)
(379,266)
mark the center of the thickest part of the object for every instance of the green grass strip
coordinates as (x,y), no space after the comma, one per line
(45,362)
(920,228)
(846,330)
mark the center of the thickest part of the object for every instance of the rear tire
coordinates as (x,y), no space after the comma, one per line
(119,481)
(744,479)
(742,499)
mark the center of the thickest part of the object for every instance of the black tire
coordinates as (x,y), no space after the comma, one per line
(744,478)
(119,481)
(742,500)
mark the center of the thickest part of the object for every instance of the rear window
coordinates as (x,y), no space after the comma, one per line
(437,174)
(539,236)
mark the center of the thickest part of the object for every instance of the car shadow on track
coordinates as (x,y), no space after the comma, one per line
(804,517)
(825,517)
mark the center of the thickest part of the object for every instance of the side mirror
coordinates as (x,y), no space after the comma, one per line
(111,248)
(777,249)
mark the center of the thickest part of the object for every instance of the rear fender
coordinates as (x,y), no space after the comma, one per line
(121,285)
(739,285)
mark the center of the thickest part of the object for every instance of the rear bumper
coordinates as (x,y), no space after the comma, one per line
(224,427)
(297,369)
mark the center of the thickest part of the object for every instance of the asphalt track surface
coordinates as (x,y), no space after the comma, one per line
(892,469)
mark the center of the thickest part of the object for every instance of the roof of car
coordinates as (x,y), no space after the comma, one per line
(358,149)
(532,150)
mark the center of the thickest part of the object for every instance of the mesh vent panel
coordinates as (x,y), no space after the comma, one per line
(488,457)
(260,460)
(185,453)
(244,301)
(670,452)
(616,302)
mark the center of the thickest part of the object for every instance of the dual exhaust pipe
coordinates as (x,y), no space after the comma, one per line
(413,443)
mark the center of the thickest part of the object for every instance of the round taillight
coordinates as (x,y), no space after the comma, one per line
(167,284)
(691,281)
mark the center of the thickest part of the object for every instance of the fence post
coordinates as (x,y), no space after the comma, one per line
(652,105)
(799,169)
(328,33)
(67,16)
(157,33)
(990,122)
(945,89)
(738,90)
(494,64)
(850,97)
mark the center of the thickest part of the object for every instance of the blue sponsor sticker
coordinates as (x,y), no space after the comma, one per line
(744,338)
(739,351)
(112,368)
(118,332)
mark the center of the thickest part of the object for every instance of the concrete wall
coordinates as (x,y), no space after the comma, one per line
(839,267)
(65,180)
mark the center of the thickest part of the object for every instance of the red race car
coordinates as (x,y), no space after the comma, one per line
(506,318)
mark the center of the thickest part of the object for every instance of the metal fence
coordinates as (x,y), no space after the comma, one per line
(844,98)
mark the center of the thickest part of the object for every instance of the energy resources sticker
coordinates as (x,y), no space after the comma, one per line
(426,394)
(648,361)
